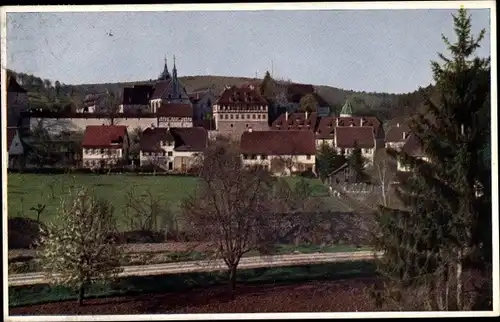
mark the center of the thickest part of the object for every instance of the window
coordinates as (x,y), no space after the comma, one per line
(231,116)
(253,157)
(263,157)
(245,156)
(308,157)
(258,116)
(246,125)
(232,125)
(237,116)
(248,116)
(170,153)
(253,116)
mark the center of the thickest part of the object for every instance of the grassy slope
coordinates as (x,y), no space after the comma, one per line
(28,190)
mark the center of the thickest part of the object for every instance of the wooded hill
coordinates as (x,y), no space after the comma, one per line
(55,95)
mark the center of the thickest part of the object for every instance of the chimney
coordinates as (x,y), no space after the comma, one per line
(397,124)
(307,114)
(362,121)
(404,135)
(337,121)
(250,129)
(286,116)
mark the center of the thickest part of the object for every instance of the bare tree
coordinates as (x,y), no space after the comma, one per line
(143,209)
(75,248)
(382,173)
(235,209)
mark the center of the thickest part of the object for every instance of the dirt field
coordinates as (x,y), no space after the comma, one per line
(333,296)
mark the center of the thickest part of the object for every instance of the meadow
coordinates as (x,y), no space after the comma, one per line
(28,190)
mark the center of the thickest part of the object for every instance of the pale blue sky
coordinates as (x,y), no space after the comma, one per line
(370,50)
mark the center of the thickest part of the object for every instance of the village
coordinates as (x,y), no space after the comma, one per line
(175,127)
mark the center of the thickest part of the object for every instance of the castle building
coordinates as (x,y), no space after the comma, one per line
(239,109)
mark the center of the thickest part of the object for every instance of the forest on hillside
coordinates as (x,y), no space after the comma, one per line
(54,95)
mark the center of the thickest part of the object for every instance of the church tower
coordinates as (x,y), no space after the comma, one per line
(165,75)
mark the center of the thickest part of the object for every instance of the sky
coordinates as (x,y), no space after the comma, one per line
(363,50)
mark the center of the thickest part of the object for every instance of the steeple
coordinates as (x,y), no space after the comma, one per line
(346,109)
(175,80)
(165,75)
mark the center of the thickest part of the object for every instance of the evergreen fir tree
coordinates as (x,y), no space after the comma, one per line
(357,164)
(444,222)
(328,160)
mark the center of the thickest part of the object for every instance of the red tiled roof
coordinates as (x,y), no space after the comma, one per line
(296,121)
(413,147)
(241,96)
(104,136)
(152,137)
(350,136)
(175,110)
(278,142)
(326,128)
(395,133)
(193,139)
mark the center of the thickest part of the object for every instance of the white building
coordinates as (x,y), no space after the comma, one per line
(104,146)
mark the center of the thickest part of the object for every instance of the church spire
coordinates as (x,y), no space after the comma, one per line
(165,75)
(175,80)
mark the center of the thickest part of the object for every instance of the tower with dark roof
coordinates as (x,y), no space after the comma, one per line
(165,74)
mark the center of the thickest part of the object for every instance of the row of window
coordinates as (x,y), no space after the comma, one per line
(248,116)
(112,152)
(157,154)
(242,108)
(264,157)
(97,163)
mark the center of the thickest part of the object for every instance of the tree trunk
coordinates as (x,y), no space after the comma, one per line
(81,293)
(232,280)
(459,281)
(447,288)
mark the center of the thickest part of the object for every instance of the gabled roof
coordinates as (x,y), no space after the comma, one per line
(241,96)
(192,139)
(397,133)
(175,110)
(14,87)
(278,142)
(163,86)
(413,147)
(296,121)
(104,136)
(151,139)
(326,128)
(351,136)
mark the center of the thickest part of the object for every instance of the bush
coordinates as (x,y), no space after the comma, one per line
(23,233)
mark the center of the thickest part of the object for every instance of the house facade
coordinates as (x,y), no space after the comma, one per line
(136,99)
(348,138)
(17,104)
(175,115)
(413,148)
(280,152)
(396,135)
(239,109)
(173,149)
(104,146)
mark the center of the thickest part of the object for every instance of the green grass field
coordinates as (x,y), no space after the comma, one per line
(28,190)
